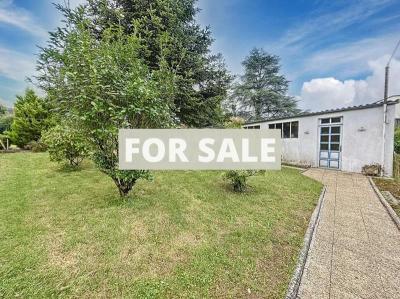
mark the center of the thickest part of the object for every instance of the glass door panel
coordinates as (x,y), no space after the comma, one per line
(330,146)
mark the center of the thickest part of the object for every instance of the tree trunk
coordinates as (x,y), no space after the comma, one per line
(124,187)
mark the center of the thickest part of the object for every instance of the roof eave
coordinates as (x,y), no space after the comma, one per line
(361,107)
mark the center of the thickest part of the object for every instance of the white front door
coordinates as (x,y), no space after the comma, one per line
(330,146)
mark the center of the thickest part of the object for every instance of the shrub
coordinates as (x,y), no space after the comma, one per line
(66,144)
(238,178)
(36,146)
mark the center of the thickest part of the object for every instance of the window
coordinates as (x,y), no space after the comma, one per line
(325,130)
(334,146)
(324,138)
(334,138)
(335,130)
(324,146)
(331,120)
(294,129)
(253,127)
(288,129)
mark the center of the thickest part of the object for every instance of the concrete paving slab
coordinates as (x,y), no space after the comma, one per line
(355,252)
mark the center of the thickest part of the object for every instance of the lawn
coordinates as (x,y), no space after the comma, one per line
(184,235)
(393,186)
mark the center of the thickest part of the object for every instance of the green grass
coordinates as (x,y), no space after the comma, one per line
(393,186)
(184,235)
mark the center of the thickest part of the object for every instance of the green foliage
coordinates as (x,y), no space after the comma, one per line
(234,123)
(31,117)
(5,122)
(396,169)
(102,86)
(238,178)
(169,33)
(262,92)
(3,110)
(66,143)
(36,146)
(397,141)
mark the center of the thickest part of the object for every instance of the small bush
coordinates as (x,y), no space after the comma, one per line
(238,178)
(66,144)
(36,146)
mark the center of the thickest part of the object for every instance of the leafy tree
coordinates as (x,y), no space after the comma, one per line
(31,117)
(103,85)
(169,33)
(66,143)
(262,90)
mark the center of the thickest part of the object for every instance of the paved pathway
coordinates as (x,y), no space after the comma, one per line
(355,252)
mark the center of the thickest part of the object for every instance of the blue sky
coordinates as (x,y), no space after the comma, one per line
(333,52)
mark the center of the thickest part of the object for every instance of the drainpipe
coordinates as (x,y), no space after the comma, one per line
(385,117)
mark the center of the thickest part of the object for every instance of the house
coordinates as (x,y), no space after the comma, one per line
(344,139)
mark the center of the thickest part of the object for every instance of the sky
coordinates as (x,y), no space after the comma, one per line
(333,52)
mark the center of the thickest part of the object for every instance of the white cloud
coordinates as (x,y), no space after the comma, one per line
(323,22)
(20,18)
(15,65)
(352,58)
(328,93)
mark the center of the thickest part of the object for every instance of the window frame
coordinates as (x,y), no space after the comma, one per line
(285,126)
(253,127)
(328,121)
(280,126)
(291,129)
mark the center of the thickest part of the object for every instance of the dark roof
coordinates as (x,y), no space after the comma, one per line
(304,114)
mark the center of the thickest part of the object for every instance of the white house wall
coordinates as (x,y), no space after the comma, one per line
(362,135)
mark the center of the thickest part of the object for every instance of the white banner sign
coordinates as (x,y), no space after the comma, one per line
(191,149)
